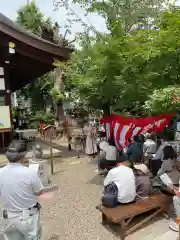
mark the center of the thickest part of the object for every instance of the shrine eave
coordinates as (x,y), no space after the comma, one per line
(33,56)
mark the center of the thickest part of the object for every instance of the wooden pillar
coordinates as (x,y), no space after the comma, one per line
(6,94)
(8,98)
(59,85)
(2,95)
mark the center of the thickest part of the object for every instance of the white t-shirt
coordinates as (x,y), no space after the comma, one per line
(124,178)
(18,185)
(149,146)
(111,153)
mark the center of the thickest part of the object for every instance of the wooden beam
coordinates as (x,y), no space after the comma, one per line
(17,33)
(25,50)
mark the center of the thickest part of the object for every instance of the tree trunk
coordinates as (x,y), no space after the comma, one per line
(58,84)
(106,110)
(60,112)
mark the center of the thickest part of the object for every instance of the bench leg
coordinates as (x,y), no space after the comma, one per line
(104,220)
(122,231)
(145,220)
(165,215)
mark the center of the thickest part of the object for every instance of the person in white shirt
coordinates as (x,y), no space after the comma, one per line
(123,177)
(108,155)
(149,146)
(19,188)
(158,156)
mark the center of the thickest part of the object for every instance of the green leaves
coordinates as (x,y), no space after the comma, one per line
(41,115)
(123,71)
(57,95)
(163,100)
(40,91)
(30,17)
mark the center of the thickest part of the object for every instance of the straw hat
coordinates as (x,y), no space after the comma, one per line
(142,167)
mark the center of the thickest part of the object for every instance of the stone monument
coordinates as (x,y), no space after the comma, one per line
(41,166)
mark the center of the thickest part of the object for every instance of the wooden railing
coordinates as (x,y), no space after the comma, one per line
(48,133)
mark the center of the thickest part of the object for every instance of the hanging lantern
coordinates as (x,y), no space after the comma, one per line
(12,48)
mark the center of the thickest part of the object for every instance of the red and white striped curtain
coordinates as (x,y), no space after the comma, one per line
(122,128)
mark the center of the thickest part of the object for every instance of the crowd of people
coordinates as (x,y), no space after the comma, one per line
(134,173)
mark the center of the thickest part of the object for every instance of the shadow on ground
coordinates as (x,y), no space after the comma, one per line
(94,161)
(97,180)
(65,152)
(56,237)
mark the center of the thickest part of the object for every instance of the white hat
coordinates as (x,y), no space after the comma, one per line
(103,145)
(142,167)
(148,135)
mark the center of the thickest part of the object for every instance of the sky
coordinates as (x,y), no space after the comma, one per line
(10,7)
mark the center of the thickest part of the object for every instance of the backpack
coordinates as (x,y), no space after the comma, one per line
(110,195)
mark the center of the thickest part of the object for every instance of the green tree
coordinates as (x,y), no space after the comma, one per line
(121,16)
(39,92)
(31,18)
(166,66)
(163,101)
(114,72)
(121,72)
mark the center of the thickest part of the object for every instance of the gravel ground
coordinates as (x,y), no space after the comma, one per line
(72,215)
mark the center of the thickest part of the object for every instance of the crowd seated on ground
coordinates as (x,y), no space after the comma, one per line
(129,179)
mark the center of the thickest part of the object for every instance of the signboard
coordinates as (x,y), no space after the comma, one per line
(5,119)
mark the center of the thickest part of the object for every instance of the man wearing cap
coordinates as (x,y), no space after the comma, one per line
(143,182)
(19,188)
(149,146)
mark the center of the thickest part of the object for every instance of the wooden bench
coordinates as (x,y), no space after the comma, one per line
(124,214)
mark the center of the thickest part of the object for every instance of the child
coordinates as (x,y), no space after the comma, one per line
(143,182)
